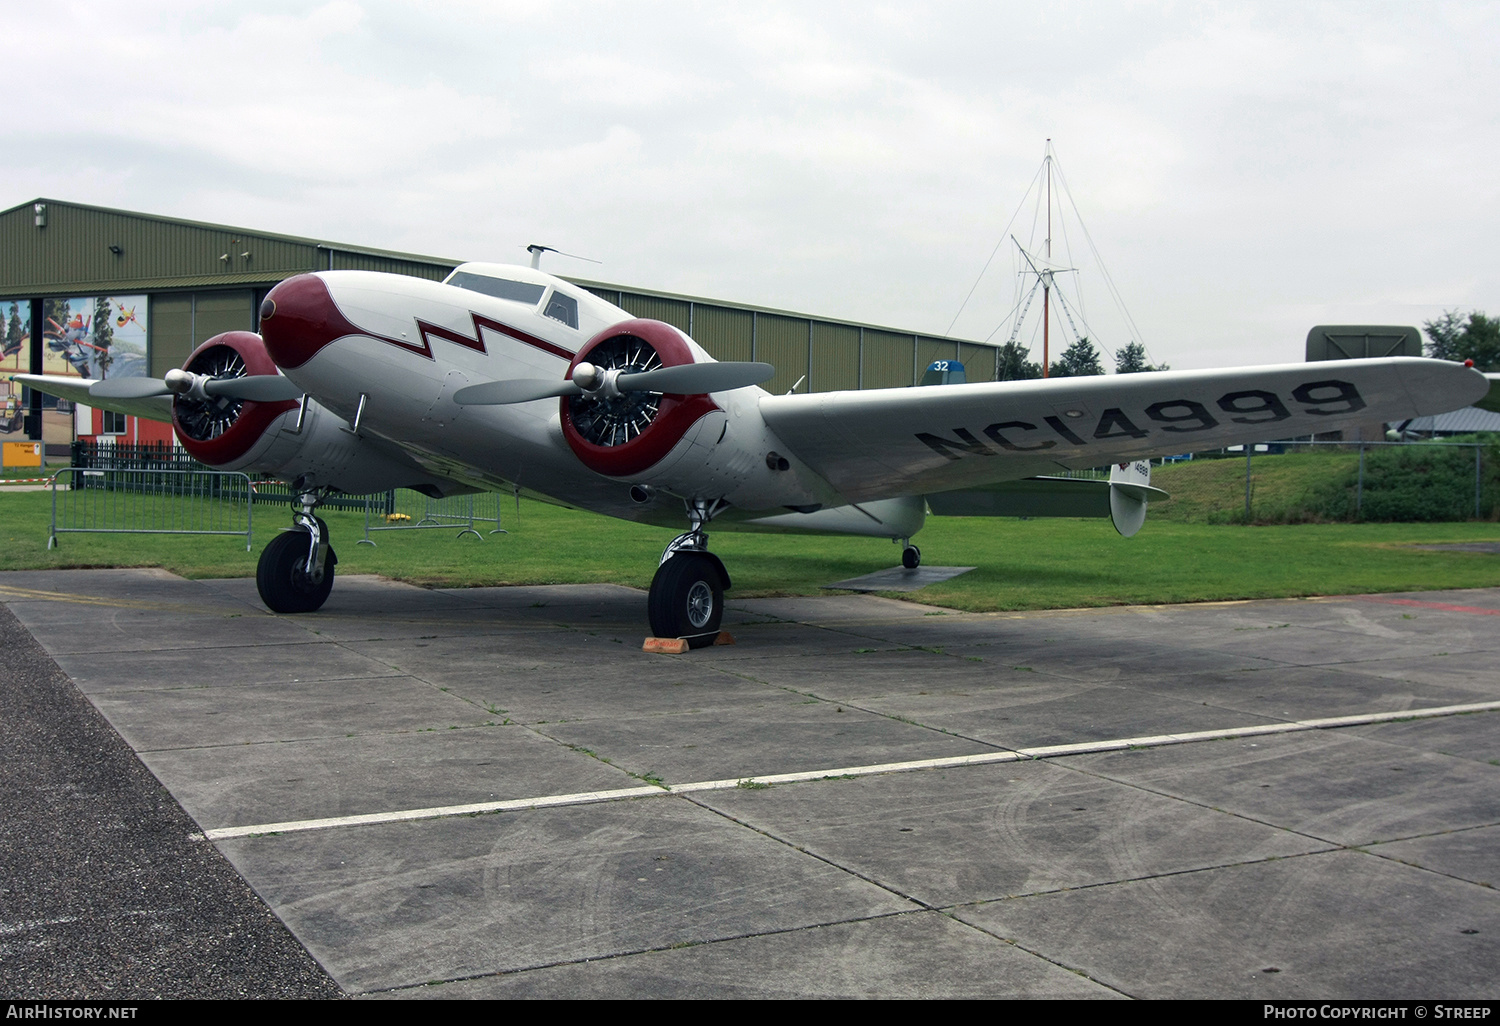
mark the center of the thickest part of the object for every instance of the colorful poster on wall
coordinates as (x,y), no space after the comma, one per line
(15,320)
(103,337)
(86,337)
(17,335)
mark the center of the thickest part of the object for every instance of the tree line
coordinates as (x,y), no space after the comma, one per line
(1080,359)
(1460,337)
(1453,336)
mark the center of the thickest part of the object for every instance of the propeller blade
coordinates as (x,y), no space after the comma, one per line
(255,388)
(697,378)
(517,390)
(689,379)
(129,388)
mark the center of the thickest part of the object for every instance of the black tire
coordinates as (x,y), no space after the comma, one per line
(687,599)
(282,581)
(911,557)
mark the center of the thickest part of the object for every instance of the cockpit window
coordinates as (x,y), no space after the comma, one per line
(563,308)
(501,288)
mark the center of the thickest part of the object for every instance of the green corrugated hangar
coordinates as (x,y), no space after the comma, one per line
(200,279)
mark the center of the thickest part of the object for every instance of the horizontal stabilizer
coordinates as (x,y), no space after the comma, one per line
(1123,498)
(1491,401)
(1034,497)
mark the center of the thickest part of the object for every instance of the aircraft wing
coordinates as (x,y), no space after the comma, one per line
(906,441)
(77,389)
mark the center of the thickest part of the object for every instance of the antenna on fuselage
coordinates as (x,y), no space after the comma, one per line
(537,250)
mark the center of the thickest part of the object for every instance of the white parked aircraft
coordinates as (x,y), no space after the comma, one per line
(507,378)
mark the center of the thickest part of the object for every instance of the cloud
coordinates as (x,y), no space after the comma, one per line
(1240,168)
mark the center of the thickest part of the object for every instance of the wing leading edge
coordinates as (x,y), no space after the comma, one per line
(77,390)
(905,441)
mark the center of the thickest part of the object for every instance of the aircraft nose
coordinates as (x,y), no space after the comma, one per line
(298,318)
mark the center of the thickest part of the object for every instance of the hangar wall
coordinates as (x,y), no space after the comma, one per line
(825,354)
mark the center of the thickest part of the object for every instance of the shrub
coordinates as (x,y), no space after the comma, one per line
(1410,483)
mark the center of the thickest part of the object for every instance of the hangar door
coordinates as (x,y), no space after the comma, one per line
(181,321)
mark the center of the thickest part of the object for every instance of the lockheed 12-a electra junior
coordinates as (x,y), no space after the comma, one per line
(506,378)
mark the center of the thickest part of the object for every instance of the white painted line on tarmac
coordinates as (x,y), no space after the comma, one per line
(438,812)
(982,759)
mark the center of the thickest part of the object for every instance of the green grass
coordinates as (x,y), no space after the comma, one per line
(1072,563)
(1405,483)
(1212,491)
(1034,564)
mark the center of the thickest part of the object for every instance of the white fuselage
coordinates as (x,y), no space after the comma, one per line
(419,342)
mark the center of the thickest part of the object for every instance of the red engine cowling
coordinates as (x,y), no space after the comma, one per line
(271,438)
(222,432)
(628,433)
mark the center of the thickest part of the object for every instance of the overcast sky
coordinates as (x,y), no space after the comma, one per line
(1245,171)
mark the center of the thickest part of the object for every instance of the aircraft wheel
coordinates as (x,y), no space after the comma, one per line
(911,557)
(687,599)
(282,580)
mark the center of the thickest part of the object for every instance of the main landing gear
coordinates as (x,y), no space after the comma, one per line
(295,572)
(687,593)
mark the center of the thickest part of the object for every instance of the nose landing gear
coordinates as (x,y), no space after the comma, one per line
(295,572)
(687,594)
(911,556)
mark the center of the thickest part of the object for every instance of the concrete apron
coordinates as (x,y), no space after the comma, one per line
(1195,826)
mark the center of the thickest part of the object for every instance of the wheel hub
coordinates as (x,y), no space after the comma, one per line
(700,604)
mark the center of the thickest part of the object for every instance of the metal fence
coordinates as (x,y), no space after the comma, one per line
(152,497)
(280,493)
(404,510)
(109,455)
(151,456)
(1270,483)
(1309,482)
(151,502)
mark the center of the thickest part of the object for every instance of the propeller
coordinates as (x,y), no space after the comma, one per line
(695,378)
(517,390)
(255,388)
(686,379)
(129,388)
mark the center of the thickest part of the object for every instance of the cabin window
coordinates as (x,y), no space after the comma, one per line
(500,288)
(563,308)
